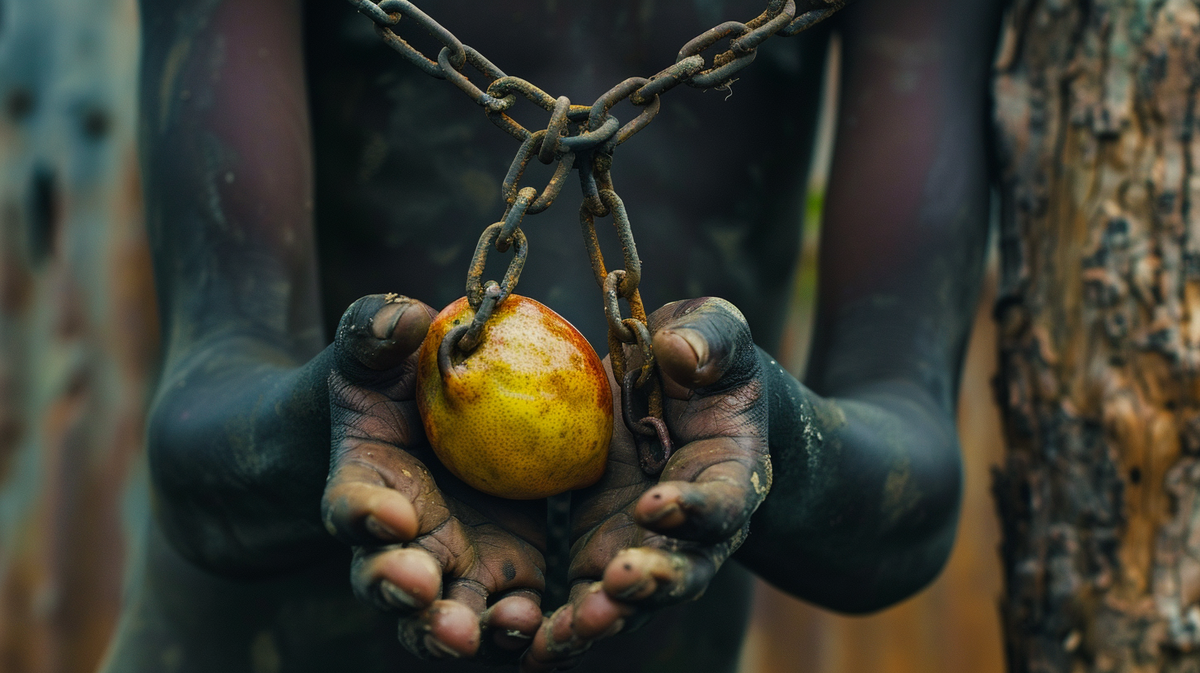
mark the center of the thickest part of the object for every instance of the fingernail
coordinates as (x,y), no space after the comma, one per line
(380,530)
(698,343)
(397,597)
(661,516)
(436,647)
(560,634)
(385,321)
(638,590)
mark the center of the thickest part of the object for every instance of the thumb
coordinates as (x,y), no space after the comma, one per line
(377,334)
(704,345)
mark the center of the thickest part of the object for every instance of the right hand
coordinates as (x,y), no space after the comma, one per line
(463,570)
(645,542)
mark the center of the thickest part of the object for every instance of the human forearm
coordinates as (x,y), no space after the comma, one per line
(227,173)
(239,436)
(866,493)
(239,452)
(239,432)
(867,466)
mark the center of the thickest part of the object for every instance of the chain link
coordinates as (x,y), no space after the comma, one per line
(584,138)
(529,149)
(475,284)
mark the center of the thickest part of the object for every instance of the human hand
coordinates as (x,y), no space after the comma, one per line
(463,570)
(642,542)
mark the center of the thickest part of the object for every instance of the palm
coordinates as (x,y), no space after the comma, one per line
(464,570)
(384,435)
(649,540)
(712,436)
(603,519)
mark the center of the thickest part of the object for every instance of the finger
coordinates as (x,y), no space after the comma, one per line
(480,561)
(591,615)
(445,630)
(497,633)
(513,580)
(359,508)
(457,625)
(595,615)
(713,503)
(460,626)
(635,582)
(653,578)
(553,644)
(396,579)
(703,345)
(513,620)
(450,628)
(377,334)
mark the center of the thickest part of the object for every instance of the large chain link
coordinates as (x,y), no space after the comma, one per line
(584,138)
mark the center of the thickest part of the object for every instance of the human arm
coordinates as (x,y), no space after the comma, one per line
(238,434)
(866,461)
(244,479)
(867,453)
(865,458)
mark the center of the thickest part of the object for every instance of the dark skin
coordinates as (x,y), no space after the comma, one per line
(848,486)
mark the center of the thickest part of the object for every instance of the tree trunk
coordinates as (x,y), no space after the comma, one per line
(1099,323)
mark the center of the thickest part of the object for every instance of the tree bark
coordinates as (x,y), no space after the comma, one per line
(1099,324)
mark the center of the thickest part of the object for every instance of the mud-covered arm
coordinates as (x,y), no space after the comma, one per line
(239,431)
(866,458)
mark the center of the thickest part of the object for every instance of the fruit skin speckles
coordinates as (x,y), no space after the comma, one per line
(528,413)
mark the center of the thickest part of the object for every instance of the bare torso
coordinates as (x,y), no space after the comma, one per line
(408,174)
(409,170)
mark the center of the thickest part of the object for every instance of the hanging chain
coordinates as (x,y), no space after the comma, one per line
(584,138)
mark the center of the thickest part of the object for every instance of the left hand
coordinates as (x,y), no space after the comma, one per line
(640,542)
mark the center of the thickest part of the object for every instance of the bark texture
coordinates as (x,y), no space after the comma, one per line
(1099,324)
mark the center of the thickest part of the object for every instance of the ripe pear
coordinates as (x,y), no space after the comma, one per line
(527,413)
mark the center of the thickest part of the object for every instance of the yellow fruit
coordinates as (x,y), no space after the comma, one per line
(528,413)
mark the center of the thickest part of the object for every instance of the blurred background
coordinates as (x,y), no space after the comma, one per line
(78,346)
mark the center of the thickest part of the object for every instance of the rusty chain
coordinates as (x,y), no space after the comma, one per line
(584,138)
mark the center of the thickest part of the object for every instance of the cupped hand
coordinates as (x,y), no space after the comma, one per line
(464,571)
(640,541)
